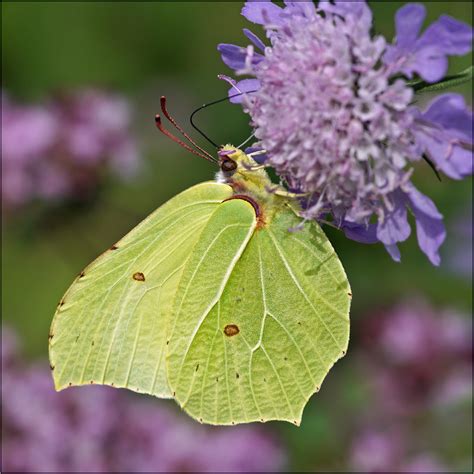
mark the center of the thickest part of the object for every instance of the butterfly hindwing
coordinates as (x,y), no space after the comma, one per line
(111,326)
(263,348)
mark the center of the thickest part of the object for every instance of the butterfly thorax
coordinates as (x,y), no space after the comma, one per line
(248,178)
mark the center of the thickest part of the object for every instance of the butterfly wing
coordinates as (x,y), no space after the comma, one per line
(258,345)
(111,325)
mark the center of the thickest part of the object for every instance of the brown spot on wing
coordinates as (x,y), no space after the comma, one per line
(231,330)
(138,276)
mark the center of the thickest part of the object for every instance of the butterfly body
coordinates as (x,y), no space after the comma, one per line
(250,179)
(213,302)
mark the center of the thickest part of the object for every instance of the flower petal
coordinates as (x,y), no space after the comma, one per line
(422,202)
(448,141)
(262,11)
(254,39)
(238,89)
(360,233)
(449,35)
(238,58)
(409,20)
(394,252)
(453,160)
(260,158)
(451,112)
(427,55)
(305,8)
(357,9)
(430,229)
(232,55)
(395,227)
(428,62)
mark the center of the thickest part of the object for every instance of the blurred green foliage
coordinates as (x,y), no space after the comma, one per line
(148,49)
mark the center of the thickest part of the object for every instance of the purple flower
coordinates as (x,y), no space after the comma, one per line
(424,462)
(460,245)
(418,357)
(416,364)
(59,150)
(376,451)
(101,429)
(426,54)
(332,107)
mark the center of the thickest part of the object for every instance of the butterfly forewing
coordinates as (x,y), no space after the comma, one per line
(111,326)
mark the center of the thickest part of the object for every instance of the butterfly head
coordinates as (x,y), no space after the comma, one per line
(243,173)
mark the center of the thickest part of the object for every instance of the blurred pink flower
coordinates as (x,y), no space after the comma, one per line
(414,353)
(61,149)
(425,462)
(459,249)
(376,451)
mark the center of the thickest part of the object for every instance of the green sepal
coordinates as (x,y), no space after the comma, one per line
(449,81)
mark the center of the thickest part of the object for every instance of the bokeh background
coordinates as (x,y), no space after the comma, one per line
(83,163)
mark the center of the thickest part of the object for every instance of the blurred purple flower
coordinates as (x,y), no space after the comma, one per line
(60,150)
(102,429)
(424,462)
(416,361)
(418,357)
(459,252)
(353,144)
(376,451)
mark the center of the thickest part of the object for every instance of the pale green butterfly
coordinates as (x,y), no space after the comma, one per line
(213,301)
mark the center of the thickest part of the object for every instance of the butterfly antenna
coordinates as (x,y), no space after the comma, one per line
(175,124)
(191,117)
(159,126)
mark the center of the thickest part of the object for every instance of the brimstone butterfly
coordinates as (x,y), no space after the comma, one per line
(212,301)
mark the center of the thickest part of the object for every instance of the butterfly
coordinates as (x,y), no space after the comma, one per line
(211,300)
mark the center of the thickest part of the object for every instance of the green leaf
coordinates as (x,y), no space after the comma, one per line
(448,82)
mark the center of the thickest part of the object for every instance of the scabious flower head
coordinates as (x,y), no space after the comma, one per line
(59,150)
(332,106)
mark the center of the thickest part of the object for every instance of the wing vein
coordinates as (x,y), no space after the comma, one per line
(220,290)
(295,280)
(279,380)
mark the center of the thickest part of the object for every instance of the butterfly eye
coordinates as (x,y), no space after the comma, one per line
(228,165)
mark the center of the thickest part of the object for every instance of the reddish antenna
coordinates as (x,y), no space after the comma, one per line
(173,122)
(202,153)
